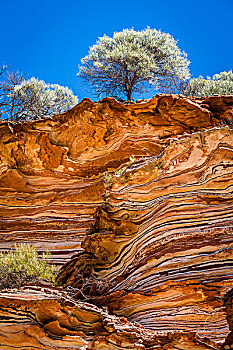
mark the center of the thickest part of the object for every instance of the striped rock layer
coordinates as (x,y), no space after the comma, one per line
(161,249)
(46,319)
(157,175)
(51,170)
(228,302)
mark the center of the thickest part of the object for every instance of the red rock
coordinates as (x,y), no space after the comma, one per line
(164,239)
(51,171)
(35,318)
(159,247)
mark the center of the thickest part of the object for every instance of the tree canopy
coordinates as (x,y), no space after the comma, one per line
(219,84)
(30,99)
(134,61)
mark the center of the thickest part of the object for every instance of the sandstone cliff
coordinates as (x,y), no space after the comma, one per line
(147,188)
(51,171)
(40,319)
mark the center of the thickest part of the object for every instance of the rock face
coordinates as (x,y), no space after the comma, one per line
(228,302)
(51,171)
(40,319)
(151,183)
(161,248)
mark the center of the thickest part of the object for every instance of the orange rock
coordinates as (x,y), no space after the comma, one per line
(51,171)
(157,175)
(164,239)
(35,318)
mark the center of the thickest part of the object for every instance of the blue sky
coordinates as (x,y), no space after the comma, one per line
(47,38)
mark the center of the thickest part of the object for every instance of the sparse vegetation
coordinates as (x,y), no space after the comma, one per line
(89,288)
(30,99)
(219,84)
(118,172)
(134,61)
(22,265)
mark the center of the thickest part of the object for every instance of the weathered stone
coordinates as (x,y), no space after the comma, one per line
(36,319)
(151,183)
(160,250)
(51,171)
(228,302)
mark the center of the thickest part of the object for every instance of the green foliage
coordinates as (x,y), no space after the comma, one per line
(134,61)
(22,264)
(14,279)
(219,84)
(108,176)
(30,99)
(40,99)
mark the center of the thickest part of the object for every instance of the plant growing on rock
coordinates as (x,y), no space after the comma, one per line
(23,264)
(108,176)
(134,61)
(219,84)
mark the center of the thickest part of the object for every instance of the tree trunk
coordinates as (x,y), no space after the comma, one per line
(129,95)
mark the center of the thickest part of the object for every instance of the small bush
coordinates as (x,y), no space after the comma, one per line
(219,84)
(10,279)
(22,265)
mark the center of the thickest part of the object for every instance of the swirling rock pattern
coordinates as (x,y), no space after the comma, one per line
(46,319)
(51,171)
(161,249)
(159,246)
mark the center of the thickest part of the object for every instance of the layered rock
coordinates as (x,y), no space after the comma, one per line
(160,251)
(35,318)
(157,175)
(228,302)
(51,171)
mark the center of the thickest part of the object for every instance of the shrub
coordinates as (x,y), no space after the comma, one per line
(23,264)
(134,61)
(30,99)
(14,279)
(219,84)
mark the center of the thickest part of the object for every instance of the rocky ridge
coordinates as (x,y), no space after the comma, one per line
(51,171)
(160,251)
(151,183)
(39,318)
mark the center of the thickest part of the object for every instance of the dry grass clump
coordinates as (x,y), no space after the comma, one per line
(23,265)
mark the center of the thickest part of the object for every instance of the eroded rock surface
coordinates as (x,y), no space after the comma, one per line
(51,171)
(151,184)
(160,251)
(228,302)
(36,319)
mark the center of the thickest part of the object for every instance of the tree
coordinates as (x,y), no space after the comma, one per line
(10,105)
(219,84)
(134,61)
(31,99)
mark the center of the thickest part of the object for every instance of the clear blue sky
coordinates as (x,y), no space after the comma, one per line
(47,38)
